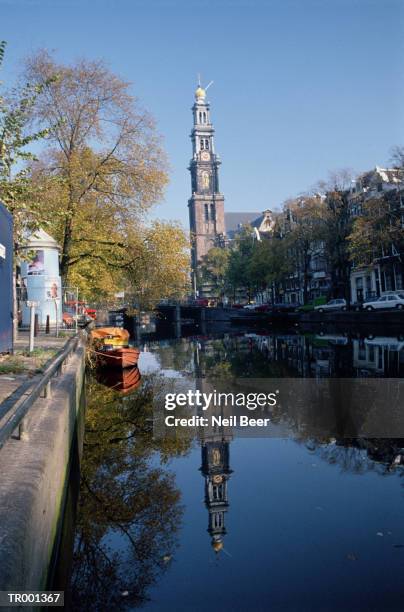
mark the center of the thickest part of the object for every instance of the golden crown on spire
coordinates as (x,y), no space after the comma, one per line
(200,93)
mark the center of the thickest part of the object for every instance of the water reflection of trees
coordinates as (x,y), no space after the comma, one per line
(174,355)
(360,455)
(129,508)
(241,357)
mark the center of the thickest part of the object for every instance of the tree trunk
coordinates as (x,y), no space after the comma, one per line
(65,255)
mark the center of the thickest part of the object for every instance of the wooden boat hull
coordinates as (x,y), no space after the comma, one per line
(123,381)
(118,358)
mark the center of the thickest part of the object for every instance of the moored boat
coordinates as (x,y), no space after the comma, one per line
(110,347)
(109,336)
(124,381)
(125,357)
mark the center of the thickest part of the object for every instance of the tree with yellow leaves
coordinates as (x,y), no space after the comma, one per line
(103,169)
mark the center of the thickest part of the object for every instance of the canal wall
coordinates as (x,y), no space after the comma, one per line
(34,473)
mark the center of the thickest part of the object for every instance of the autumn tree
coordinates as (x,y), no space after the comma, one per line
(16,190)
(158,267)
(397,159)
(377,230)
(213,269)
(238,276)
(103,160)
(337,226)
(305,234)
(269,263)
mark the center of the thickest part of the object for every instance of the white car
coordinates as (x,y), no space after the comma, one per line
(390,300)
(338,304)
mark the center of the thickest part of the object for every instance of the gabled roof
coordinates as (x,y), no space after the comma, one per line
(263,222)
(235,220)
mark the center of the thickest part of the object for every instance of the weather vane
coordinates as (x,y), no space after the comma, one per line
(199,83)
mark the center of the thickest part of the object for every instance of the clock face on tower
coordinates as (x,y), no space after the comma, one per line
(205,156)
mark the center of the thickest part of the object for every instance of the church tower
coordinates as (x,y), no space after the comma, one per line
(206,205)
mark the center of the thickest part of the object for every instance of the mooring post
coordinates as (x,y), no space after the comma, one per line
(31,325)
(46,391)
(21,430)
(57,319)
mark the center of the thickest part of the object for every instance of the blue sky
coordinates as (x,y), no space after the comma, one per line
(301,87)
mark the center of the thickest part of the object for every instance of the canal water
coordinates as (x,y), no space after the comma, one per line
(299,519)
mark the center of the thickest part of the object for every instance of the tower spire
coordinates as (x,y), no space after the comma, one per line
(206,205)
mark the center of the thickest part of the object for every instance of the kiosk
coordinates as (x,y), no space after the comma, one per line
(41,279)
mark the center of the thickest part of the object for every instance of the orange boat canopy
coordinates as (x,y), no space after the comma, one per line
(104,332)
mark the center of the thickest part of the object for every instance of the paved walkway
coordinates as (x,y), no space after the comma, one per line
(9,383)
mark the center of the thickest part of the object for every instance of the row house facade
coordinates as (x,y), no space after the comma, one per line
(291,290)
(386,272)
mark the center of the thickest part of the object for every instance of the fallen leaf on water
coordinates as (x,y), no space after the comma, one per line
(351,556)
(380,534)
(167,558)
(125,593)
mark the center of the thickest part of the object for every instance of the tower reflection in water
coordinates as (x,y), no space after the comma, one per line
(215,468)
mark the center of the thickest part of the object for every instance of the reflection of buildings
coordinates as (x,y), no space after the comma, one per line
(320,355)
(379,356)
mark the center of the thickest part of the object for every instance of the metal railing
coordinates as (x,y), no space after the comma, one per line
(42,388)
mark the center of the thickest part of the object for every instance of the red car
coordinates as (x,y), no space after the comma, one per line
(91,312)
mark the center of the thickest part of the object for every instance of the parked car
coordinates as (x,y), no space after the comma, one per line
(337,304)
(283,307)
(387,301)
(250,306)
(362,305)
(320,301)
(91,312)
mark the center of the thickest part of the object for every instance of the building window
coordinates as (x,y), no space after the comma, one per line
(212,212)
(217,491)
(206,144)
(206,212)
(202,144)
(204,117)
(217,520)
(200,117)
